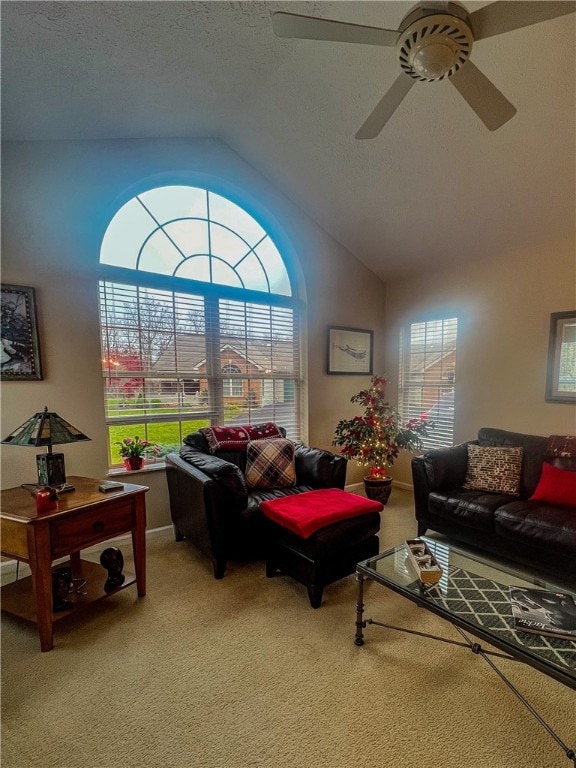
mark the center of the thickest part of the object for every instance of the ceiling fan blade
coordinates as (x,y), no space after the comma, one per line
(385,107)
(311,28)
(504,16)
(491,106)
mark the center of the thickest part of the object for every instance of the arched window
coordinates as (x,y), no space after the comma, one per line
(232,387)
(195,291)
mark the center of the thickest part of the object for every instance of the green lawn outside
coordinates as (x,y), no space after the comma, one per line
(165,434)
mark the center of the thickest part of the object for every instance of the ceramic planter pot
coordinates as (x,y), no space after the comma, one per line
(133,462)
(378,489)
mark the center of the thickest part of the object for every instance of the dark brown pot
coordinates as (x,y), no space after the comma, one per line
(378,490)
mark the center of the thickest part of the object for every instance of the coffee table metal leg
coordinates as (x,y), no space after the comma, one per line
(360,624)
(477,649)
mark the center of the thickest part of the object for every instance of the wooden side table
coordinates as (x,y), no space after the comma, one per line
(84,517)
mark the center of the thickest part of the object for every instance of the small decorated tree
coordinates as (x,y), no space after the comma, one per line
(375,439)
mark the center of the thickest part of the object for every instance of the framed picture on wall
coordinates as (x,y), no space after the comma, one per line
(19,348)
(561,378)
(350,350)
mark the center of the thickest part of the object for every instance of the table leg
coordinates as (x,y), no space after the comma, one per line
(76,565)
(41,569)
(359,639)
(139,544)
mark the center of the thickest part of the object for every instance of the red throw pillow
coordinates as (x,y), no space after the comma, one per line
(556,486)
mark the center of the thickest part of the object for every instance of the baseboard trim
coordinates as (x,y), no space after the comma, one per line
(359,487)
(403,486)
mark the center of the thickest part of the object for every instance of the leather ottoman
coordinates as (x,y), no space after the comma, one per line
(317,537)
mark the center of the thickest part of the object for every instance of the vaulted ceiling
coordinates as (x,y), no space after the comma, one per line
(435,187)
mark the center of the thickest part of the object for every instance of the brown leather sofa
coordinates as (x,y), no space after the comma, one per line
(212,506)
(538,535)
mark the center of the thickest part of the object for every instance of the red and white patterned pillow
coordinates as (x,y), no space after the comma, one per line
(561,446)
(270,463)
(237,438)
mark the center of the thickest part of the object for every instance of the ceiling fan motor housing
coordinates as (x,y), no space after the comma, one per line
(434,44)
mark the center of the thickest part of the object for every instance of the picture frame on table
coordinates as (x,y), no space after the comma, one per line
(561,374)
(350,351)
(19,349)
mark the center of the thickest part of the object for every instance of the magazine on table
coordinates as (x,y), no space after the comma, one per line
(543,612)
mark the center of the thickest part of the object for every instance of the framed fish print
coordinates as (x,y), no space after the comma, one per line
(350,351)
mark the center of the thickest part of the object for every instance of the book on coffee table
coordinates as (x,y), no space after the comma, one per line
(543,612)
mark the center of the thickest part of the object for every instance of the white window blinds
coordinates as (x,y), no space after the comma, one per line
(174,362)
(428,375)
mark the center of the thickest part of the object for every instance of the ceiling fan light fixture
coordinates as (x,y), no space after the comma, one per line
(434,41)
(434,47)
(434,60)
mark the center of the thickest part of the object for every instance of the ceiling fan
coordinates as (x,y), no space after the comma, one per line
(433,42)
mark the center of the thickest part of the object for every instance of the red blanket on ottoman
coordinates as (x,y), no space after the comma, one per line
(305,513)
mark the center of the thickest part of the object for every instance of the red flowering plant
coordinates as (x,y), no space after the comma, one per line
(132,447)
(376,438)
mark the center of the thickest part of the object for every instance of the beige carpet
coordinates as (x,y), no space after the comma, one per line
(242,673)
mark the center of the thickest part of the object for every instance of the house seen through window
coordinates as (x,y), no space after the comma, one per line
(428,377)
(199,323)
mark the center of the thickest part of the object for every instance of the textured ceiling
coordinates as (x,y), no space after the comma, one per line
(435,187)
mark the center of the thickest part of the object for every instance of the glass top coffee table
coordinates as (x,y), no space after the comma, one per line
(473,595)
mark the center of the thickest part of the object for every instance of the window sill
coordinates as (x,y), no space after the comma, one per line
(120,471)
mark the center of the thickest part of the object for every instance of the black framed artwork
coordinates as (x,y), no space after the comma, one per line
(20,351)
(561,376)
(350,351)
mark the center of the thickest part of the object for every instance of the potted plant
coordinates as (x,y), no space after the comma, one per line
(375,439)
(133,450)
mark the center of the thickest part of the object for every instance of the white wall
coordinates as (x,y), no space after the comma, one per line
(503,304)
(57,198)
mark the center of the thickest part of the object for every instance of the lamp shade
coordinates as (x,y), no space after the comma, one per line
(45,428)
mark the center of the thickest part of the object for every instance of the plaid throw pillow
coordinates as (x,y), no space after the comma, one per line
(270,463)
(494,469)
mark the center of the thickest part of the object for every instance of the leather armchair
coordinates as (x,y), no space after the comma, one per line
(212,506)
